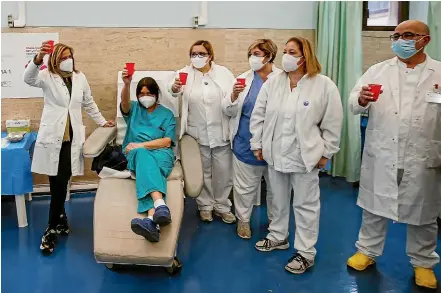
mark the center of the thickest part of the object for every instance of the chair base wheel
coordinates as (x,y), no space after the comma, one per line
(175,268)
(111,266)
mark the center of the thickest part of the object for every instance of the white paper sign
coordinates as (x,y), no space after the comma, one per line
(17,50)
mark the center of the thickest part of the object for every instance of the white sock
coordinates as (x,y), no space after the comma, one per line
(159,202)
(150,217)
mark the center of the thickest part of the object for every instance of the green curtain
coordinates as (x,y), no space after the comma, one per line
(339,50)
(434,22)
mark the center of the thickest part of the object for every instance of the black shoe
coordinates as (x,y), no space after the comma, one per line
(48,241)
(63,227)
(162,216)
(146,228)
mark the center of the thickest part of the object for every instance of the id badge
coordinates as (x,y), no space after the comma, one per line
(433,97)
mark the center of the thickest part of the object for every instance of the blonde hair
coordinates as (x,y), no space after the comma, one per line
(55,59)
(266,46)
(207,45)
(312,64)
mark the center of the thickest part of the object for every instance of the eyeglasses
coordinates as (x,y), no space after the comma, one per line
(405,36)
(200,55)
(257,54)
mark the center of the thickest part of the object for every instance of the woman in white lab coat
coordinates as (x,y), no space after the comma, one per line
(248,170)
(295,126)
(202,118)
(58,149)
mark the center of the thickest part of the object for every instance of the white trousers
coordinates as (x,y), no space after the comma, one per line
(246,184)
(420,246)
(306,205)
(218,180)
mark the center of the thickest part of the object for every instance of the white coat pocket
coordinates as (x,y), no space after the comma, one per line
(46,135)
(434,155)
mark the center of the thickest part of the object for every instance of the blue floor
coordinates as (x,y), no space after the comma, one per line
(214,258)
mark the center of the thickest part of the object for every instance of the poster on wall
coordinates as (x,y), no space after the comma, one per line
(17,50)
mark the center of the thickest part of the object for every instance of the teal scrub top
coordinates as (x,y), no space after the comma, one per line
(143,126)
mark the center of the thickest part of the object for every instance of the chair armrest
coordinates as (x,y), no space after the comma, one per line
(97,141)
(191,166)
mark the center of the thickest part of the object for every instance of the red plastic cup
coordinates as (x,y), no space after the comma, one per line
(183,77)
(375,89)
(51,43)
(241,81)
(130,68)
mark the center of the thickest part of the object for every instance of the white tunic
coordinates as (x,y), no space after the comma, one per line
(417,200)
(58,103)
(318,117)
(224,81)
(286,148)
(408,84)
(204,115)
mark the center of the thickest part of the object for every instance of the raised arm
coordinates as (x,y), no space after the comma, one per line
(230,102)
(125,93)
(360,98)
(175,86)
(32,74)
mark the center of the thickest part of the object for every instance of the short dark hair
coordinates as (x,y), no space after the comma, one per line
(150,84)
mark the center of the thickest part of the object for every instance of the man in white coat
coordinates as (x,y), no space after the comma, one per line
(401,168)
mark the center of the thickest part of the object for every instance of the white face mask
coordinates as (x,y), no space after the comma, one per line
(199,62)
(147,101)
(289,62)
(66,65)
(256,63)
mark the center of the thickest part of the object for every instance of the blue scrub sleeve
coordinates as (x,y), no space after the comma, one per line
(127,116)
(170,129)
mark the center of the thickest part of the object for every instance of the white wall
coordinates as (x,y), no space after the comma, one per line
(418,10)
(230,14)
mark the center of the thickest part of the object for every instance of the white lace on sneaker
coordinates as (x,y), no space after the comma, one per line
(297,264)
(268,245)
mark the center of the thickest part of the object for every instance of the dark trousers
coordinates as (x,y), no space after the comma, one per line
(58,185)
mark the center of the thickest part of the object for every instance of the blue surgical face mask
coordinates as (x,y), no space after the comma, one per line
(405,48)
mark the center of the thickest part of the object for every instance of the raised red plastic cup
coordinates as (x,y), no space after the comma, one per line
(183,77)
(51,43)
(375,89)
(130,68)
(241,81)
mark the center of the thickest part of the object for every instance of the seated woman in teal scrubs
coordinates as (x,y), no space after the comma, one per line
(148,143)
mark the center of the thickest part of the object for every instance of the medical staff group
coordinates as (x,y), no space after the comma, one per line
(280,124)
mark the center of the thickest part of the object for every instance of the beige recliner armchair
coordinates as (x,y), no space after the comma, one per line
(116,205)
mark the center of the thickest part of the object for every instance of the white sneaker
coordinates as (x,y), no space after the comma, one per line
(269,245)
(243,229)
(227,217)
(298,264)
(206,216)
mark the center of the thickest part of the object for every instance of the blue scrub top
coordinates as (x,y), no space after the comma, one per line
(241,142)
(143,126)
